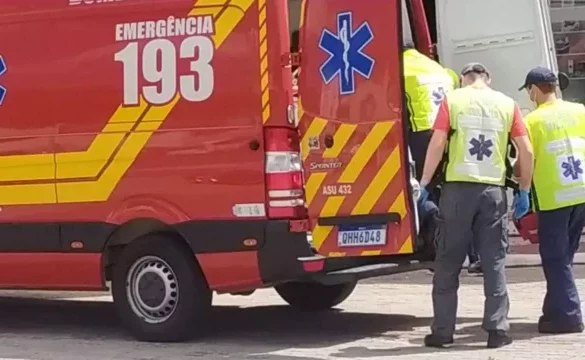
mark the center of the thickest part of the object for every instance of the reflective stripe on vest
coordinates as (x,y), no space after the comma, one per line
(557,131)
(426,83)
(481,120)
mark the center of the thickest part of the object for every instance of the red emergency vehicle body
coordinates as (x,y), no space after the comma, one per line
(76,162)
(165,131)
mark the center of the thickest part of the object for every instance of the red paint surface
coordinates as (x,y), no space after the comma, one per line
(231,271)
(64,84)
(56,271)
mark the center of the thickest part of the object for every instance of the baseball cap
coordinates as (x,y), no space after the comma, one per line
(475,67)
(539,75)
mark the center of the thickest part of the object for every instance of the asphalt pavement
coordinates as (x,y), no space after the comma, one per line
(385,318)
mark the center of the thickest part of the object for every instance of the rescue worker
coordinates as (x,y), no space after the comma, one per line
(557,132)
(477,123)
(426,83)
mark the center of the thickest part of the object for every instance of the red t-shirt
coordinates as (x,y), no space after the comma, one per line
(442,121)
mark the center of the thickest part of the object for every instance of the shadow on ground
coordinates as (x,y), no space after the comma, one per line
(234,332)
(469,338)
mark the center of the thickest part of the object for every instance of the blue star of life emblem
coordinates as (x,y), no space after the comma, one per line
(3,69)
(480,147)
(572,168)
(438,95)
(346,56)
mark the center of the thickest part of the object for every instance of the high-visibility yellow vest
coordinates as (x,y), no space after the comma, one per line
(557,132)
(481,119)
(426,83)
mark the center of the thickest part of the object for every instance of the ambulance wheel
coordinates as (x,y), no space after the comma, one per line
(311,296)
(159,290)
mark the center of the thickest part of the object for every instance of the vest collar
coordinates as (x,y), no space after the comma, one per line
(478,86)
(549,103)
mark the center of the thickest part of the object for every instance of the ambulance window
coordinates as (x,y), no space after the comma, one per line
(294,19)
(406,26)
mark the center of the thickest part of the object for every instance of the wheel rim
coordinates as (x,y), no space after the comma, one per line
(152,289)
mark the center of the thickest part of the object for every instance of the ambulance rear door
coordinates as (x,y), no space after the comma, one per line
(508,37)
(352,128)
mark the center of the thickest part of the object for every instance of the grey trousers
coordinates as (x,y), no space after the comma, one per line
(471,212)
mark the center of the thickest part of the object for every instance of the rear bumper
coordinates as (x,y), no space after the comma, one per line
(278,259)
(287,256)
(368,271)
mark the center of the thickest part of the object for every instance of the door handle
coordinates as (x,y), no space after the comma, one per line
(329,141)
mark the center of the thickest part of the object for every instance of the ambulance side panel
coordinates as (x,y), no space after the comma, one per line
(112,114)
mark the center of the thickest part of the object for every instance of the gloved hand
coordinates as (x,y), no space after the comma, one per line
(521,204)
(424,195)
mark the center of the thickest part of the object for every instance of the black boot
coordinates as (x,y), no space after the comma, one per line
(474,268)
(498,338)
(438,341)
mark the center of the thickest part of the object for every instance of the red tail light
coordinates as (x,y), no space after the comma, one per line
(284,176)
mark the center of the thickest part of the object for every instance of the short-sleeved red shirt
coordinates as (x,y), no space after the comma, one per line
(442,121)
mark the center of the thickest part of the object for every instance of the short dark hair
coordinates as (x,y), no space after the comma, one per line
(546,88)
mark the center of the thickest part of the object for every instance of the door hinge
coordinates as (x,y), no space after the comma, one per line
(290,59)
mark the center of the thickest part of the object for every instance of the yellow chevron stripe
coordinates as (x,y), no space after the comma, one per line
(208,10)
(315,128)
(303,7)
(337,254)
(264,73)
(340,139)
(100,189)
(208,7)
(330,208)
(399,205)
(78,164)
(406,248)
(117,127)
(313,184)
(366,151)
(30,167)
(300,109)
(371,252)
(375,189)
(28,194)
(203,3)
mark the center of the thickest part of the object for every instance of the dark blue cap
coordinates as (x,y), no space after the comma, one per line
(539,75)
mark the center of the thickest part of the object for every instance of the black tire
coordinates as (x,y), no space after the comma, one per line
(311,296)
(190,305)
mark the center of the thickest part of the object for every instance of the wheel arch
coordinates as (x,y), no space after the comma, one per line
(134,230)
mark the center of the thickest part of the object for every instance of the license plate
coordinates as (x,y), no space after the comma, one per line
(361,235)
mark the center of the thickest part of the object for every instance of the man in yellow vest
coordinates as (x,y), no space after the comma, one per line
(473,205)
(426,83)
(557,132)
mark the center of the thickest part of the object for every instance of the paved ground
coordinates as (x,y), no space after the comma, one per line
(385,318)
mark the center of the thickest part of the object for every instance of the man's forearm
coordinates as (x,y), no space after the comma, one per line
(525,162)
(526,167)
(433,158)
(431,163)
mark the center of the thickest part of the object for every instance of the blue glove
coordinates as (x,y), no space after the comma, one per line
(424,195)
(521,204)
